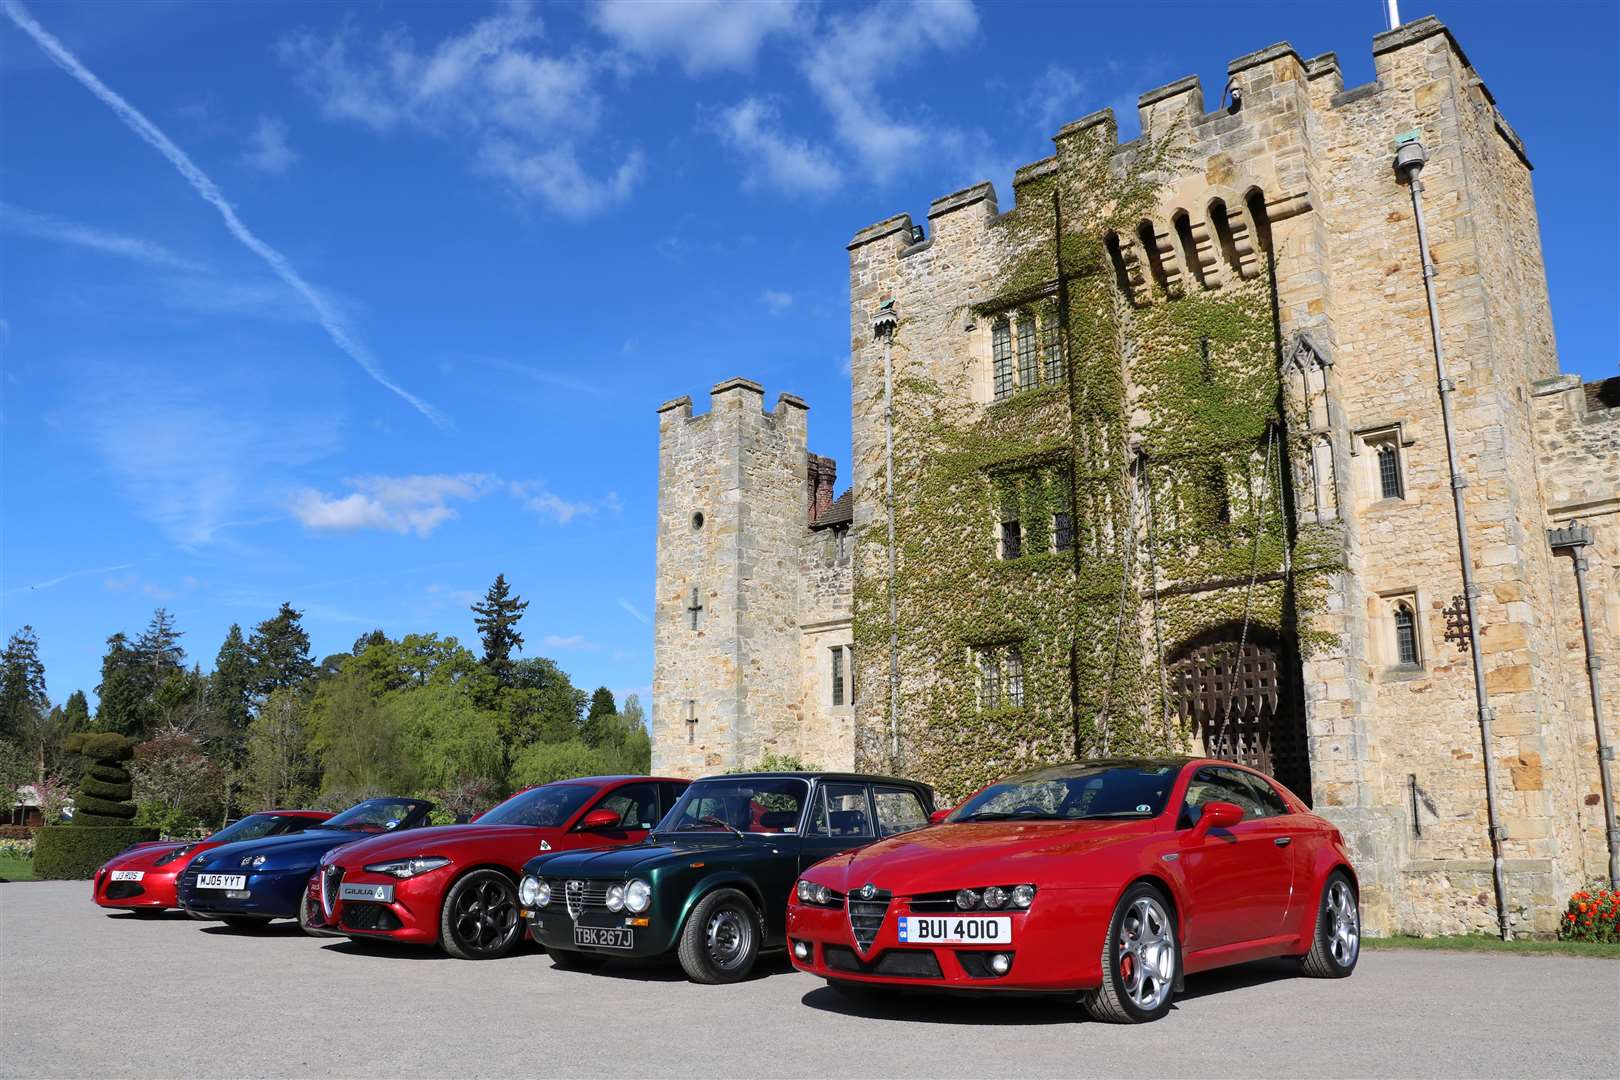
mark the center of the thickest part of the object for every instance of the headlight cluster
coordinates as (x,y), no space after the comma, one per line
(634,896)
(532,892)
(254,860)
(169,857)
(407,868)
(809,892)
(996,897)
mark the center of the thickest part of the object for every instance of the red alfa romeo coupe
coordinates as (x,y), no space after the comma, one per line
(142,878)
(1111,878)
(456,885)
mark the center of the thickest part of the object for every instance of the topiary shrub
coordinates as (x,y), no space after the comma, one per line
(104,794)
(74,852)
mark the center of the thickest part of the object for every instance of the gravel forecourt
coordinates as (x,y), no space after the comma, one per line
(86,994)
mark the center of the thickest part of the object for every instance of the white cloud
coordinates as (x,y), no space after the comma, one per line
(635,612)
(522,112)
(402,504)
(267,147)
(210,192)
(704,35)
(1054,98)
(752,128)
(547,503)
(776,301)
(845,66)
(21,222)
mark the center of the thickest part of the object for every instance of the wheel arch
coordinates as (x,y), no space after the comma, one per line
(726,880)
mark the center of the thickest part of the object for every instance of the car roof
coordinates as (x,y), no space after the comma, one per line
(322,814)
(617,779)
(854,778)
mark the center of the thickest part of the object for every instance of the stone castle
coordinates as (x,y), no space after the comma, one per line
(772,627)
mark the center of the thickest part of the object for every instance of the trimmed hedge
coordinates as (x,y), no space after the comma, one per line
(102,789)
(75,852)
(103,798)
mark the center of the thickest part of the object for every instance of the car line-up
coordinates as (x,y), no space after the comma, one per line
(1110,880)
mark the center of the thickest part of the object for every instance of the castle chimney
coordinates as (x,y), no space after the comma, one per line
(821,476)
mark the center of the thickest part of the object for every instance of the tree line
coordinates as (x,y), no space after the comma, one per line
(268,726)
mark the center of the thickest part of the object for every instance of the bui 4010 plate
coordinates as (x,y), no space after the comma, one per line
(956,930)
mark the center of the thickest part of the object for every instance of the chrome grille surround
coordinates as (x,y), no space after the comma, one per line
(331,878)
(867,907)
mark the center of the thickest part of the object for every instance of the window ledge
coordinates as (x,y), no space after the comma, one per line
(1390,505)
(1403,673)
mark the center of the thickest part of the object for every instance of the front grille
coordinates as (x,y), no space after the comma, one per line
(123,890)
(866,912)
(579,896)
(331,878)
(938,901)
(900,963)
(358,915)
(188,882)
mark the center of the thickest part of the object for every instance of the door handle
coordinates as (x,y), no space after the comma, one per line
(1283,841)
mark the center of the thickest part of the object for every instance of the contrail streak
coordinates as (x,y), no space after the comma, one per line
(205,187)
(69,577)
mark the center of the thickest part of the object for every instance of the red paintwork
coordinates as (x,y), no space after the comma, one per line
(418,900)
(1237,895)
(157,882)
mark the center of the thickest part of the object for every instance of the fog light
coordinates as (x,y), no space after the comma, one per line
(801,951)
(1000,963)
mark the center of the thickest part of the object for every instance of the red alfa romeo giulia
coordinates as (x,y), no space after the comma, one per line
(142,878)
(1112,878)
(456,885)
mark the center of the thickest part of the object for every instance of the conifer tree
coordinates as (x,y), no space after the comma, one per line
(230,691)
(603,709)
(22,684)
(498,614)
(124,690)
(280,651)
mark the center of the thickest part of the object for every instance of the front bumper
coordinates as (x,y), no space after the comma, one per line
(412,915)
(272,894)
(553,927)
(155,891)
(1056,946)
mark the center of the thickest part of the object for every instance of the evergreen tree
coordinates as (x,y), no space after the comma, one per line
(367,640)
(279,771)
(498,614)
(76,712)
(280,650)
(22,685)
(602,708)
(124,690)
(230,693)
(159,648)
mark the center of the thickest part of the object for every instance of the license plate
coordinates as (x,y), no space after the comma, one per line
(128,875)
(956,930)
(604,937)
(221,881)
(383,894)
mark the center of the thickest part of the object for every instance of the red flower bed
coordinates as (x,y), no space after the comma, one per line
(1593,915)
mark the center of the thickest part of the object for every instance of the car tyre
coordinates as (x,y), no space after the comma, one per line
(1336,944)
(573,960)
(1140,960)
(479,917)
(720,941)
(245,922)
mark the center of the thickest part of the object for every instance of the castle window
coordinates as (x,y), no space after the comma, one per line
(1001,358)
(1063,531)
(1001,676)
(1389,471)
(1012,539)
(1382,476)
(989,678)
(838,694)
(1029,372)
(1051,354)
(1406,641)
(1013,679)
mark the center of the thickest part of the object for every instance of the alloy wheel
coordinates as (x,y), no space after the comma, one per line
(485,915)
(1344,924)
(1146,954)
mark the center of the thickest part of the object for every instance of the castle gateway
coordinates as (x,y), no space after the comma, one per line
(1162,455)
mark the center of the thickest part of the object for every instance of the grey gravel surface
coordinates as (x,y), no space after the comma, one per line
(85,994)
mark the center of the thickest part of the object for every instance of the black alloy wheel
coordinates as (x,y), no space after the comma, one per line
(479,920)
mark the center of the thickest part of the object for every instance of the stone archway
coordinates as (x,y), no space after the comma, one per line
(1241,694)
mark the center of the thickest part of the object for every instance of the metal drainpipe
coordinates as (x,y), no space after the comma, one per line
(1576,537)
(883,327)
(1409,162)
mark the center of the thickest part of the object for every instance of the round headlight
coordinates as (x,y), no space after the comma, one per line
(1023,895)
(966,899)
(806,891)
(545,894)
(638,896)
(615,898)
(995,896)
(528,892)
(823,895)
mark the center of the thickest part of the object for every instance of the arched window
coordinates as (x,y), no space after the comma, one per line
(1389,471)
(1406,642)
(1001,358)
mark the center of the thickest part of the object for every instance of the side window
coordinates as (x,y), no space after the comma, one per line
(1212,784)
(841,812)
(1271,804)
(636,805)
(671,794)
(898,810)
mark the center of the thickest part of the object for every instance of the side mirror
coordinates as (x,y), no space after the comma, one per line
(940,815)
(462,819)
(600,819)
(1219,815)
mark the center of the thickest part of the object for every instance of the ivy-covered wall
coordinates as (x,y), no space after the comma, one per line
(1164,439)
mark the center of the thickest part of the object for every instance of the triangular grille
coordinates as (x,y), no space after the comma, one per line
(867,907)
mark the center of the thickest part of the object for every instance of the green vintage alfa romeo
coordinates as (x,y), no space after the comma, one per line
(711,883)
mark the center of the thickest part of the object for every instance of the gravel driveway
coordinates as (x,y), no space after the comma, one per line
(86,994)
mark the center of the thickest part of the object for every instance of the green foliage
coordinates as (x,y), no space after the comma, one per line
(356,740)
(230,694)
(22,685)
(778,763)
(279,770)
(279,648)
(75,852)
(539,704)
(124,691)
(498,615)
(177,785)
(602,706)
(15,770)
(542,763)
(445,736)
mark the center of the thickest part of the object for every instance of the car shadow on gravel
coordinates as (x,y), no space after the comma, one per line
(399,950)
(989,1008)
(279,928)
(667,969)
(165,915)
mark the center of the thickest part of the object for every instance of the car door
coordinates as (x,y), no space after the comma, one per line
(1238,878)
(638,809)
(1275,819)
(841,817)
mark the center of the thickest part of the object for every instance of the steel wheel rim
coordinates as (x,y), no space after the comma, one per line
(485,917)
(730,936)
(1146,953)
(1344,924)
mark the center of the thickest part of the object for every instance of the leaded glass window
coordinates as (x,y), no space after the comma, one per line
(837,675)
(989,679)
(1029,371)
(1013,678)
(1063,531)
(1406,644)
(1389,471)
(1051,355)
(1001,356)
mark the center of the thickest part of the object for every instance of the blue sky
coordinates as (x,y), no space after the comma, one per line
(367,302)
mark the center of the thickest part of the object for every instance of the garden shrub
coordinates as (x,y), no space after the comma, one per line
(74,852)
(103,798)
(16,832)
(16,849)
(1593,915)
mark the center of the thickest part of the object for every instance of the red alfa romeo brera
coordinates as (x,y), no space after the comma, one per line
(142,878)
(1112,878)
(456,885)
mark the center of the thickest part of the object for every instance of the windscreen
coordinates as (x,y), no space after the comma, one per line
(1075,792)
(548,806)
(763,805)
